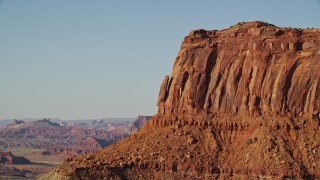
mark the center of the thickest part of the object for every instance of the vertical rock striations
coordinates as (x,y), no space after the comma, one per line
(241,103)
(249,69)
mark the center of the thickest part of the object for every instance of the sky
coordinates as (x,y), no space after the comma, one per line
(81,59)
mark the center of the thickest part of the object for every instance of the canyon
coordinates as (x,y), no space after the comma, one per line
(242,102)
(46,143)
(67,139)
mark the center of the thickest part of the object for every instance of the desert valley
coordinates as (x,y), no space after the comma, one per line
(29,149)
(160,90)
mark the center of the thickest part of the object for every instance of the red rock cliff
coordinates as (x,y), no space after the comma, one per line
(241,103)
(251,68)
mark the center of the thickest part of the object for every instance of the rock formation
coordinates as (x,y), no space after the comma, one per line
(86,146)
(15,122)
(139,123)
(6,172)
(250,69)
(240,103)
(9,158)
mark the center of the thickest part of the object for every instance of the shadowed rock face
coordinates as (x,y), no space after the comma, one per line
(9,158)
(240,103)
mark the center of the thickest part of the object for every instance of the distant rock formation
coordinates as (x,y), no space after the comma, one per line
(139,123)
(15,122)
(9,158)
(40,128)
(13,172)
(91,142)
(241,103)
(86,146)
(65,140)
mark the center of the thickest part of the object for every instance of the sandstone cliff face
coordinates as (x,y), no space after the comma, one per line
(252,68)
(241,103)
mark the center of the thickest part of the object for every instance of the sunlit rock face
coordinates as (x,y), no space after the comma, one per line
(251,68)
(241,103)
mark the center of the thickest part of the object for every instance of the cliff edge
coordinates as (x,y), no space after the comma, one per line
(249,69)
(240,103)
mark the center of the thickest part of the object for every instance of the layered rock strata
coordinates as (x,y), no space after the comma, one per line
(249,69)
(241,103)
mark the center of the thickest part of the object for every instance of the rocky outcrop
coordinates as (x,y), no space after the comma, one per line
(39,128)
(139,123)
(251,68)
(240,103)
(9,172)
(67,151)
(15,122)
(86,146)
(93,143)
(9,158)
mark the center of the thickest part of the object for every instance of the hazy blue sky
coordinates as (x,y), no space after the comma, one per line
(92,59)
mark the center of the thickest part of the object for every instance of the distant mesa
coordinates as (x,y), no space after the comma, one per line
(90,144)
(9,158)
(39,128)
(139,123)
(15,122)
(65,139)
(47,121)
(52,140)
(42,121)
